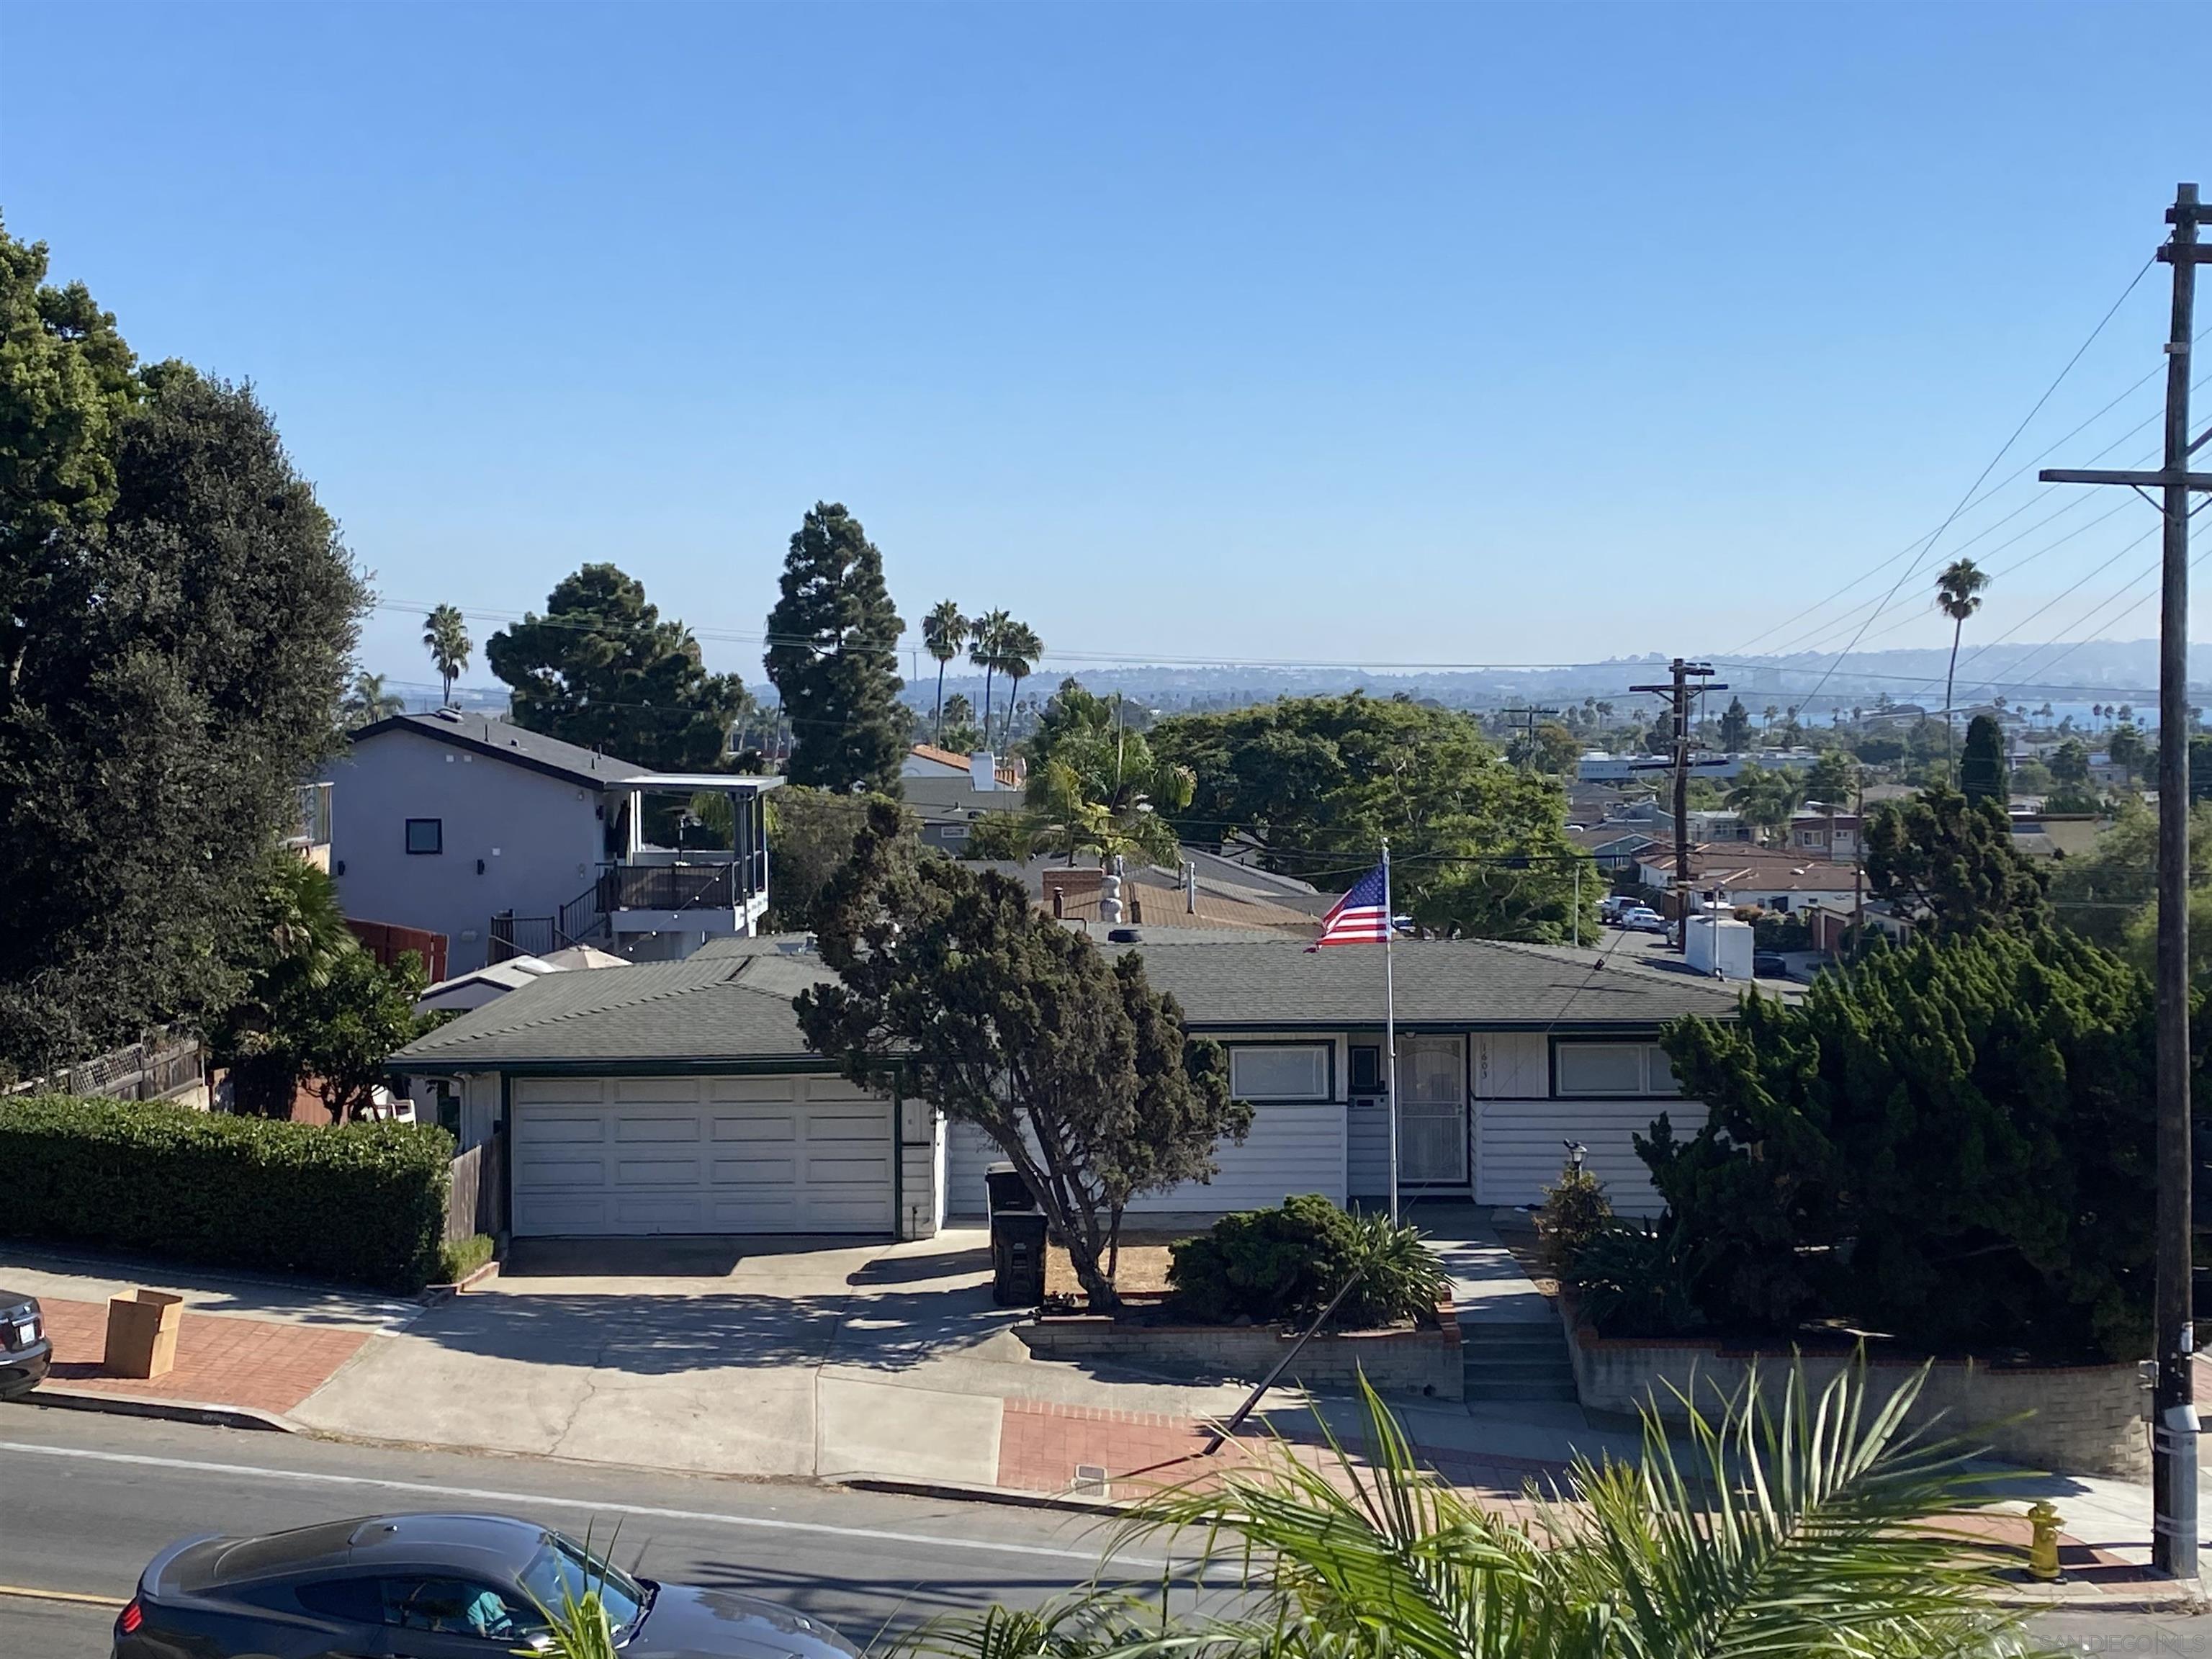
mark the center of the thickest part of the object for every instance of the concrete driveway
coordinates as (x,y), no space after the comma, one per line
(750,1356)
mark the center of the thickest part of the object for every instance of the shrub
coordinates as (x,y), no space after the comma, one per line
(1575,1212)
(1284,1265)
(1639,1281)
(365,1203)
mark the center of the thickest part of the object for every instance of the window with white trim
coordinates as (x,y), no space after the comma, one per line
(1613,1069)
(1278,1071)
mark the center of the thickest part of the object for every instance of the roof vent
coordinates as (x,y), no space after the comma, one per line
(1124,936)
(453,714)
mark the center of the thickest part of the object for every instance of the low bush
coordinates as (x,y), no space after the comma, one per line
(459,1258)
(1639,1281)
(1575,1211)
(365,1203)
(1284,1265)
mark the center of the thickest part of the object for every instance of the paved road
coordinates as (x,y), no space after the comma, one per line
(85,1500)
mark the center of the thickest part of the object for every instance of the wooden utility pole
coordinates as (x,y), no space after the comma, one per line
(1678,691)
(2173,1456)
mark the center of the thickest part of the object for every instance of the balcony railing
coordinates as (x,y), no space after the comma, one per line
(672,887)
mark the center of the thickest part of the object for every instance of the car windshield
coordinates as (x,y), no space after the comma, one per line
(564,1569)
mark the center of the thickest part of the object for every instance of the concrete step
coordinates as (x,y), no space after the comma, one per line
(1516,1361)
(1494,1393)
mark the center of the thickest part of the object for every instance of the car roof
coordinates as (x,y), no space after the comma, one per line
(478,1544)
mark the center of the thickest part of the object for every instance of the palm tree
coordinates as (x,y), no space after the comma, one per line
(1958,596)
(944,631)
(1778,1523)
(369,702)
(983,636)
(1019,647)
(445,636)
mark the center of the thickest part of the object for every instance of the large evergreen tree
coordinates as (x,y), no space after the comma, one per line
(1950,1143)
(1982,762)
(176,615)
(1950,863)
(833,655)
(602,669)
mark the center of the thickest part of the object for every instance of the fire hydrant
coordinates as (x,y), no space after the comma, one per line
(2043,1545)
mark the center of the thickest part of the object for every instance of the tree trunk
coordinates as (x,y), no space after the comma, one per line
(938,720)
(1950,742)
(987,706)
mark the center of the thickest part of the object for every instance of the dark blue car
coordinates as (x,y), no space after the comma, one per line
(429,1587)
(26,1351)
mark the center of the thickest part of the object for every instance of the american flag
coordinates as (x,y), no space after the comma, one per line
(1362,916)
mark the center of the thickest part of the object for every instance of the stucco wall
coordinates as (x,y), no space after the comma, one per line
(539,838)
(2073,1419)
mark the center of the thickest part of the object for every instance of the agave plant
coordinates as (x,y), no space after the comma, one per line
(1810,1526)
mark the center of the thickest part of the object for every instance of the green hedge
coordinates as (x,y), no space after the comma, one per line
(365,1203)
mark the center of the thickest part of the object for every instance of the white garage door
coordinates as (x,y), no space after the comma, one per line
(621,1155)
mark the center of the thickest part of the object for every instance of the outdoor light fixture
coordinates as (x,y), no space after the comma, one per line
(1576,1153)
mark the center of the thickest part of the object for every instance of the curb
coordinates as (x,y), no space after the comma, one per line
(2066,1596)
(432,1295)
(167,1411)
(960,1493)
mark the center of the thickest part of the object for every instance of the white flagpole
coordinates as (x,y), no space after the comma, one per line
(1390,1024)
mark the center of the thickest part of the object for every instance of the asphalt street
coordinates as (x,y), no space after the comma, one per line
(85,1500)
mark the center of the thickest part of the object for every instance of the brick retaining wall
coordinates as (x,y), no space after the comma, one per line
(1425,1361)
(2067,1419)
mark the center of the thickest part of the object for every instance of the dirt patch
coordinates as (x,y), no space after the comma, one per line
(1521,1238)
(1143,1266)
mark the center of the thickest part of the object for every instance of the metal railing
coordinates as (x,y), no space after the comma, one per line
(671,887)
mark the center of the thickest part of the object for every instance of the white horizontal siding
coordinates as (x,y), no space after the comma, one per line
(1291,1149)
(1510,1066)
(1519,1147)
(1368,1148)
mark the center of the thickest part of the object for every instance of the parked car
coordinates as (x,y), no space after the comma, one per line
(1766,965)
(1643,919)
(27,1354)
(1610,907)
(430,1586)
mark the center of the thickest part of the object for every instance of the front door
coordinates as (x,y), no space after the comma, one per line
(1432,1111)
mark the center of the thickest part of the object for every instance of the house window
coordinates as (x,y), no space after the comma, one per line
(1284,1070)
(1366,1069)
(1615,1068)
(425,835)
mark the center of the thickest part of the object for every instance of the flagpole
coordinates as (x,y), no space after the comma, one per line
(1390,1024)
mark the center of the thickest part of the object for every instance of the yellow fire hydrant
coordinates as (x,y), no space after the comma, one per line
(2043,1546)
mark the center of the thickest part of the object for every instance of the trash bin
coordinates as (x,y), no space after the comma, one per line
(141,1334)
(1018,1258)
(1008,1191)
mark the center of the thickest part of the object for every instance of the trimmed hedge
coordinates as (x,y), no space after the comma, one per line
(365,1203)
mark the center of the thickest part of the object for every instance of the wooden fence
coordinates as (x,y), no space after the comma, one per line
(167,1063)
(479,1185)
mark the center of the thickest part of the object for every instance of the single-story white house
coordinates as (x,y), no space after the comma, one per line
(680,1097)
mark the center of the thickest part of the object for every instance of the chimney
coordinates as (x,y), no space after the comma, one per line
(983,770)
(1058,901)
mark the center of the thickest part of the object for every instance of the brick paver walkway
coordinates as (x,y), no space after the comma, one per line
(261,1364)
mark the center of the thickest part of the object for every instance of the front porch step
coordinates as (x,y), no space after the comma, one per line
(1516,1361)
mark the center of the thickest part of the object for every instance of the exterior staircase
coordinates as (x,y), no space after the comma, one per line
(1516,1361)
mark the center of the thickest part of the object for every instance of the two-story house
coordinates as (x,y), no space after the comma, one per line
(512,843)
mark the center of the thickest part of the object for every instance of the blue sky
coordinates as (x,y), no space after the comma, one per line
(1373,334)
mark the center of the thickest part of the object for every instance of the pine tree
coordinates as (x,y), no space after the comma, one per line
(833,655)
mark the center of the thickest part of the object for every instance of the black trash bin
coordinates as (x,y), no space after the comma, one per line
(1008,1191)
(1018,1258)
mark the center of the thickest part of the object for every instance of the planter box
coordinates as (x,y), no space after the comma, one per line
(2066,1419)
(1425,1361)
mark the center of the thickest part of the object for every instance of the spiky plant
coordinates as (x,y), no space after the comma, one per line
(1810,1526)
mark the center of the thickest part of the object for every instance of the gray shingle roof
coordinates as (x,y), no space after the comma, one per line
(705,1009)
(504,740)
(732,999)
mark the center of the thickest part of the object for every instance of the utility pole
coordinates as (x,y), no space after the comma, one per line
(1524,721)
(1677,692)
(2173,1456)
